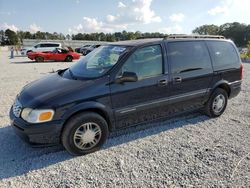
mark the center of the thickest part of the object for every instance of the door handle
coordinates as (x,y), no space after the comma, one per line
(163,82)
(177,80)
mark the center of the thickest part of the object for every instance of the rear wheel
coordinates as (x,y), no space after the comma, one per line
(68,58)
(217,103)
(84,133)
(39,59)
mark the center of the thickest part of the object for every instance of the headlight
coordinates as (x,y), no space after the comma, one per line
(37,116)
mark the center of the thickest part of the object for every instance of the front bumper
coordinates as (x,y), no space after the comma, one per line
(37,134)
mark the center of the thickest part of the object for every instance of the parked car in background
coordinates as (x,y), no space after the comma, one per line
(242,50)
(127,83)
(41,47)
(88,49)
(79,50)
(58,54)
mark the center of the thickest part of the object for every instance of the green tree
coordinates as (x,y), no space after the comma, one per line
(78,36)
(40,35)
(248,49)
(2,39)
(207,30)
(12,37)
(236,31)
(68,37)
(27,35)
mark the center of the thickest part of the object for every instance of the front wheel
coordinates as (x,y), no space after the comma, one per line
(84,133)
(39,59)
(68,59)
(217,103)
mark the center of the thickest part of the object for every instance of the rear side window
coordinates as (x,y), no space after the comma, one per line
(223,54)
(53,45)
(188,56)
(42,45)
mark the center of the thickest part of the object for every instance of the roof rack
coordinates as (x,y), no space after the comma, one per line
(195,36)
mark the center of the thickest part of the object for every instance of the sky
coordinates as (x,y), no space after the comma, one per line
(108,16)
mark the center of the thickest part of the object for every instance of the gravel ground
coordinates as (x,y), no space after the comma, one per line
(190,151)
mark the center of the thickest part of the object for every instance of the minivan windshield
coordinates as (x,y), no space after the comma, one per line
(97,62)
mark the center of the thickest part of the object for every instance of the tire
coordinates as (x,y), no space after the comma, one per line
(39,59)
(69,59)
(213,108)
(84,133)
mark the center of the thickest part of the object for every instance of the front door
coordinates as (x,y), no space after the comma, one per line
(140,101)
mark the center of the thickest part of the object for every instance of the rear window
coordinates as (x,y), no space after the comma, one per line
(223,54)
(46,45)
(53,45)
(188,56)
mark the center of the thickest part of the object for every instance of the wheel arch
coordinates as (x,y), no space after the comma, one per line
(223,84)
(90,107)
(28,51)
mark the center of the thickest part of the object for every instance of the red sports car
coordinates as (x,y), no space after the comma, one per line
(59,54)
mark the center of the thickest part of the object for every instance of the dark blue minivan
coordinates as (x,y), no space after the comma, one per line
(127,83)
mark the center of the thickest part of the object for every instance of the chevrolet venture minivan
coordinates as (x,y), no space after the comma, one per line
(127,83)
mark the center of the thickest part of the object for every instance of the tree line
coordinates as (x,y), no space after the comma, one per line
(238,32)
(9,37)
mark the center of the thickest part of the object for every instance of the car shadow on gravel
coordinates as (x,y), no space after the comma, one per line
(18,158)
(153,128)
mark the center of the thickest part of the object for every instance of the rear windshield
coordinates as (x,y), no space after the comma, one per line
(97,62)
(224,54)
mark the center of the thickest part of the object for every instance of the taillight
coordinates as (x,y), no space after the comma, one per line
(241,71)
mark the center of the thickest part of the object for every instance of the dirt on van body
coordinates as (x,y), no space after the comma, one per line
(191,150)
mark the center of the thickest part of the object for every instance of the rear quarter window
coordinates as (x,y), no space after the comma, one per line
(223,54)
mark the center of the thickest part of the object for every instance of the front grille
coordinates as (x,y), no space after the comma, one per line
(17,108)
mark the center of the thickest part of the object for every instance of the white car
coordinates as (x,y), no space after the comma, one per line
(41,47)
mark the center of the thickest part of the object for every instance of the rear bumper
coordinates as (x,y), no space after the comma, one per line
(235,88)
(37,134)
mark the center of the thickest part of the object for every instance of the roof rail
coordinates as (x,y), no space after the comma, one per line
(195,36)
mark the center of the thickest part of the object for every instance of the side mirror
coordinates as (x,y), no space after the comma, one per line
(127,77)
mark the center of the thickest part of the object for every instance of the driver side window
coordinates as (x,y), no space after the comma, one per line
(146,62)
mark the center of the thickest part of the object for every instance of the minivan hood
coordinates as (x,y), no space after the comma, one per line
(48,88)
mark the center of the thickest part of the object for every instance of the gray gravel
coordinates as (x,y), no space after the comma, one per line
(190,151)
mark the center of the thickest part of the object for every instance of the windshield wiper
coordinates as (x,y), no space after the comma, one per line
(72,75)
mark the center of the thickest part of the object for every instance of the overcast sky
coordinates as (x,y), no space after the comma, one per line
(73,16)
